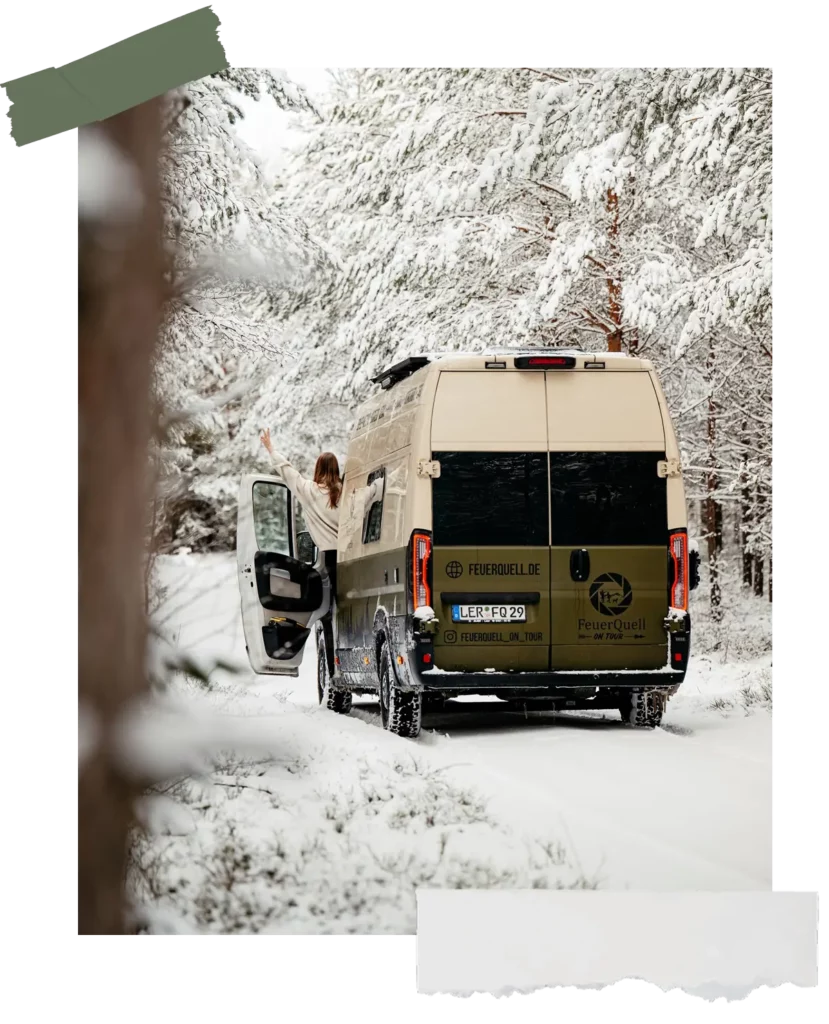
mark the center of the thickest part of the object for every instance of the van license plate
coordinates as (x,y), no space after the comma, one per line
(489,613)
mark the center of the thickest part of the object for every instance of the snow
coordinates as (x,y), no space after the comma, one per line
(162,816)
(309,821)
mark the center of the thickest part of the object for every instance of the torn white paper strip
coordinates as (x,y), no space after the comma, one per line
(711,943)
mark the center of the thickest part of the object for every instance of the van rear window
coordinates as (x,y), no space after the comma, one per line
(490,498)
(613,498)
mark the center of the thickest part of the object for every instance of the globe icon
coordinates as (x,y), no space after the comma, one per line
(454,570)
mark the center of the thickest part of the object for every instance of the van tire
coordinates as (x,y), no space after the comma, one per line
(643,710)
(335,700)
(400,710)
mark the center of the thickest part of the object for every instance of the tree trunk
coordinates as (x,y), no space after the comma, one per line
(769,579)
(759,587)
(617,336)
(745,515)
(614,284)
(119,303)
(713,508)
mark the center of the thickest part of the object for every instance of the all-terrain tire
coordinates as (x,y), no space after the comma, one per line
(643,710)
(334,700)
(400,710)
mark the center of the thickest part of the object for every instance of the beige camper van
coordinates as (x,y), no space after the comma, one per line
(530,543)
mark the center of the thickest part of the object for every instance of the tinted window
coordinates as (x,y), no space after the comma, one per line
(607,498)
(374,516)
(270,518)
(490,498)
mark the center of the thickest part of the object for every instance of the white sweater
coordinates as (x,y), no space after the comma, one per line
(323,521)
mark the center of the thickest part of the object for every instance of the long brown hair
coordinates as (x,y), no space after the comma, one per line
(327,475)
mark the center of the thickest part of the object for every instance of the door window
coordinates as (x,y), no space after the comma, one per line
(271,517)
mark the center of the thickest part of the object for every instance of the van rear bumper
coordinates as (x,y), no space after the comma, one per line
(560,685)
(556,684)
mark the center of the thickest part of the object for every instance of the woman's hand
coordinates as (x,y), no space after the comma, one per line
(265,438)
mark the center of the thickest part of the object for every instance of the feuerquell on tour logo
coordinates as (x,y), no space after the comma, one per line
(611,594)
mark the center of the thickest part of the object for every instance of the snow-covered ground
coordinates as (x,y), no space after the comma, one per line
(326,823)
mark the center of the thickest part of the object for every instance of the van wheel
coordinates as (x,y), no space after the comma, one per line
(644,710)
(399,709)
(334,700)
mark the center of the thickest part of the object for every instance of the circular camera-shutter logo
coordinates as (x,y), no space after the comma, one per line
(611,593)
(454,570)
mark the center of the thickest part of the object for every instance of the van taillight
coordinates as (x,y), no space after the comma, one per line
(678,551)
(421,570)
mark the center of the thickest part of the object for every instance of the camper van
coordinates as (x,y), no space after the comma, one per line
(529,542)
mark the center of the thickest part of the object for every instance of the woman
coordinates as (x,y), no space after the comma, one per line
(320,503)
(320,500)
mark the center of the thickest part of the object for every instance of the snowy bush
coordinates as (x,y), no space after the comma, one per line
(323,845)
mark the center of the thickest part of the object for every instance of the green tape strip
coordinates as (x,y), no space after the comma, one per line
(105,83)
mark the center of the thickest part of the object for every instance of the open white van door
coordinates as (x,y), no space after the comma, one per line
(282,595)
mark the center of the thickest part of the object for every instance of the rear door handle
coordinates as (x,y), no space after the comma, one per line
(580,565)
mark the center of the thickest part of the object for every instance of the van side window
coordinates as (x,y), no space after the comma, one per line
(374,516)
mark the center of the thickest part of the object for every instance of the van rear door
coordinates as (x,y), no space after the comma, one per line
(609,520)
(490,522)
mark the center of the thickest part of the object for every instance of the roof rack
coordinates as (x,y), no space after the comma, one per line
(405,368)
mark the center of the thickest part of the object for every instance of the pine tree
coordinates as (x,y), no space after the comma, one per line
(384,182)
(624,209)
(687,266)
(238,262)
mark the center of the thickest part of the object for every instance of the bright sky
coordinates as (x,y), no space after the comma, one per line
(267,129)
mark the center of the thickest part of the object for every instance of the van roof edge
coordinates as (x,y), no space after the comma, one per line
(392,375)
(489,353)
